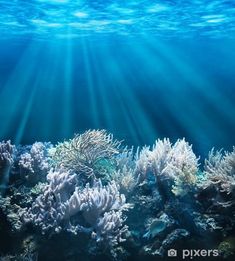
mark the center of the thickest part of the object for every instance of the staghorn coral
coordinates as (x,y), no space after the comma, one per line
(82,153)
(101,207)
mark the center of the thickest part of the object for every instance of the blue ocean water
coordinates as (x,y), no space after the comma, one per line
(140,69)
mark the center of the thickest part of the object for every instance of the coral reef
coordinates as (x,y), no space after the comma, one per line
(100,206)
(220,171)
(84,152)
(125,179)
(6,160)
(34,161)
(6,153)
(49,208)
(11,212)
(98,200)
(174,166)
(216,189)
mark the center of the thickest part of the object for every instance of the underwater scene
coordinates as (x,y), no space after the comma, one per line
(117,130)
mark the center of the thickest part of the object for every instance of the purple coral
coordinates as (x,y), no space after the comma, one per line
(101,206)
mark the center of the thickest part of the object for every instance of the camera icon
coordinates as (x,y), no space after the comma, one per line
(172,252)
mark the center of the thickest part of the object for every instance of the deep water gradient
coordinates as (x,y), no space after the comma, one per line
(140,69)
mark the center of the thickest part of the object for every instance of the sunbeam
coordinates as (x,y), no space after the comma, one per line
(117,122)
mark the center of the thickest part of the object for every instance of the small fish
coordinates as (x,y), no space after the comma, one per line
(155,228)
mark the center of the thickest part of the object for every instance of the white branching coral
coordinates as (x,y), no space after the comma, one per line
(142,163)
(126,179)
(49,209)
(110,228)
(176,163)
(35,160)
(84,151)
(184,166)
(124,170)
(6,154)
(219,170)
(161,156)
(126,158)
(102,207)
(62,199)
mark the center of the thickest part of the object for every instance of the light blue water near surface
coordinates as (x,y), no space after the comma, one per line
(140,69)
(49,18)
